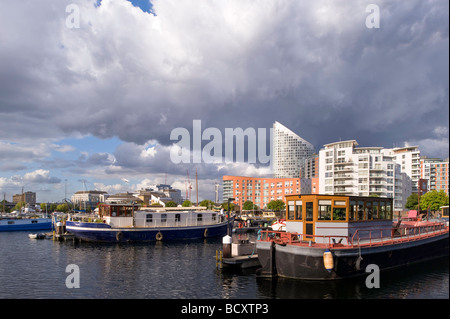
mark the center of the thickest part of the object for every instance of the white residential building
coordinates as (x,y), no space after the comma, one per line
(409,159)
(290,152)
(345,169)
(88,198)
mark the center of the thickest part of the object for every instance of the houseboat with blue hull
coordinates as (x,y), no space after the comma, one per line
(332,237)
(132,223)
(22,224)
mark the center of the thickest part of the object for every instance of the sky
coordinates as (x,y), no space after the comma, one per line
(90,91)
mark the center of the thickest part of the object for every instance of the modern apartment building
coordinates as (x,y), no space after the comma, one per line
(27,197)
(435,171)
(290,152)
(88,198)
(409,159)
(261,190)
(345,169)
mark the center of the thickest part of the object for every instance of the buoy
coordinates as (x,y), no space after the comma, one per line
(328,260)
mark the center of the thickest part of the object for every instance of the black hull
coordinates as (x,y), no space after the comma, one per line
(302,262)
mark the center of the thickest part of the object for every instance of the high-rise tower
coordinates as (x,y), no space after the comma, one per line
(290,152)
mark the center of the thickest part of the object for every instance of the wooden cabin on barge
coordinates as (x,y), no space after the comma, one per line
(316,216)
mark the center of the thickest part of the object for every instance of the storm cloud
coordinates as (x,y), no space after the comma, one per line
(314,66)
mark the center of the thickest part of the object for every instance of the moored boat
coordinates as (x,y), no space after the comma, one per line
(131,223)
(37,236)
(279,225)
(22,223)
(336,237)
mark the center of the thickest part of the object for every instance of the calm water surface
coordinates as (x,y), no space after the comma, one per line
(33,269)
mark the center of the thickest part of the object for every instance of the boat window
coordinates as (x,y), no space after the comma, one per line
(10,222)
(298,209)
(291,211)
(163,218)
(34,221)
(382,212)
(309,211)
(353,210)
(128,211)
(375,213)
(388,211)
(149,218)
(360,210)
(444,211)
(199,217)
(214,216)
(324,210)
(177,217)
(339,213)
(369,210)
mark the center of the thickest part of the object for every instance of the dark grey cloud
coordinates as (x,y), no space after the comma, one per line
(312,65)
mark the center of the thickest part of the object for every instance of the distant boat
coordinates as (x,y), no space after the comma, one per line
(131,223)
(37,236)
(279,225)
(16,224)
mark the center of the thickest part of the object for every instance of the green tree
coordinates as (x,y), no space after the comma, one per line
(433,200)
(186,203)
(171,204)
(248,205)
(276,205)
(232,206)
(412,201)
(62,207)
(20,205)
(206,203)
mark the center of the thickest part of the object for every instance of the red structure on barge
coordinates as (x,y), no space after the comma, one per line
(335,237)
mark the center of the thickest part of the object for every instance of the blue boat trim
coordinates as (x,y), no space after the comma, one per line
(21,224)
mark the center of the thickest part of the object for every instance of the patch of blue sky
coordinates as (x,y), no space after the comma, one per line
(92,144)
(144,5)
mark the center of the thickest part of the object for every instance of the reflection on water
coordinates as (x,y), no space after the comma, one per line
(182,270)
(428,280)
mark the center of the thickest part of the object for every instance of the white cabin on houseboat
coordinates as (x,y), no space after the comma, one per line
(119,215)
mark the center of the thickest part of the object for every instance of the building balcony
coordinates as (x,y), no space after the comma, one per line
(343,176)
(341,163)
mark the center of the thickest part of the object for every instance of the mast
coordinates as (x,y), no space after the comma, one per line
(196,184)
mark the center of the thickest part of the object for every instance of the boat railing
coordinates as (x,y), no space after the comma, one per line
(282,237)
(372,237)
(366,237)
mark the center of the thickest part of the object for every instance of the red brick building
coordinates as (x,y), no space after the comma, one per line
(262,190)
